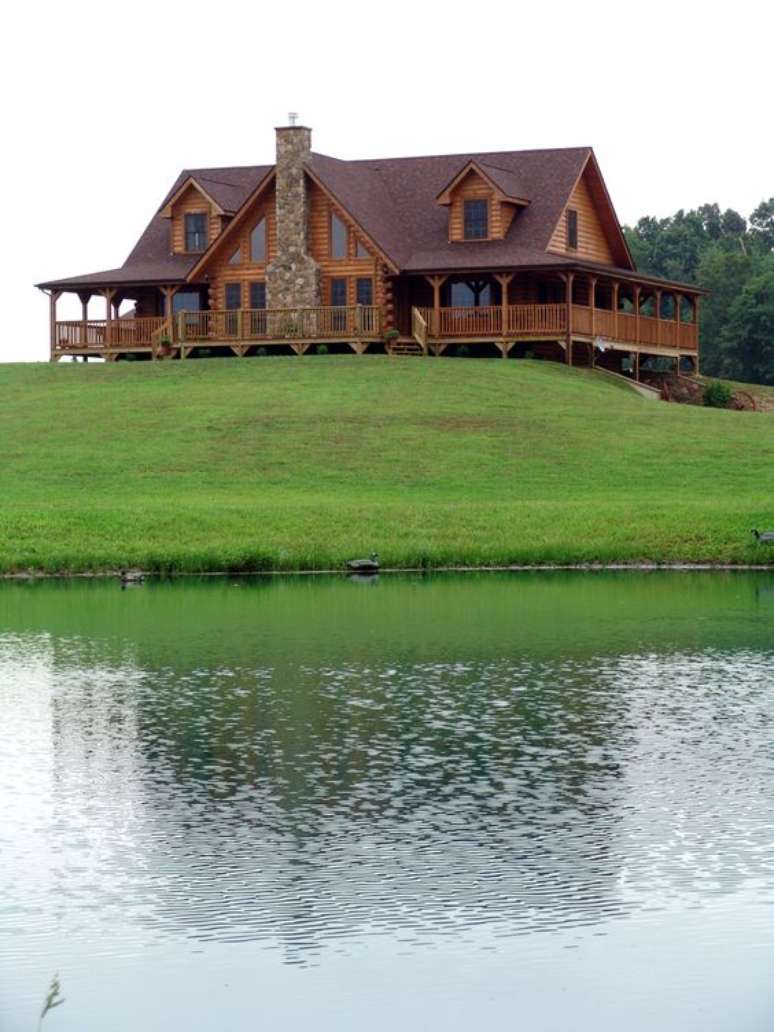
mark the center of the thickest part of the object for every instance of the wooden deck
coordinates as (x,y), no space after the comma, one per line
(234,329)
(436,328)
(432,330)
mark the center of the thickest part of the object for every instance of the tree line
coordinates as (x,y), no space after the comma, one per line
(733,258)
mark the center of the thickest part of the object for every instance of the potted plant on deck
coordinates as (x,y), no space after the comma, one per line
(390,336)
(165,346)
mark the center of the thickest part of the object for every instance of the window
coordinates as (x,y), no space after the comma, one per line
(186,301)
(258,242)
(233,301)
(470,294)
(195,231)
(258,304)
(476,220)
(258,295)
(365,291)
(572,229)
(361,251)
(236,257)
(338,292)
(339,299)
(338,237)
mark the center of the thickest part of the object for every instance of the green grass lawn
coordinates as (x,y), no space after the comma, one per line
(299,463)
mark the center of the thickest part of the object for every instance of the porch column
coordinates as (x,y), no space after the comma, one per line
(436,282)
(53,297)
(504,279)
(593,303)
(84,297)
(637,366)
(109,293)
(637,313)
(658,316)
(616,287)
(569,281)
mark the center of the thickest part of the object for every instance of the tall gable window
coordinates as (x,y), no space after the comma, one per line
(476,220)
(258,242)
(338,237)
(361,251)
(195,231)
(572,229)
(236,257)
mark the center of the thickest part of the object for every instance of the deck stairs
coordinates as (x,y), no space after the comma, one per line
(406,347)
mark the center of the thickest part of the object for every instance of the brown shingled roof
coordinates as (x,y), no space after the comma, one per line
(394,200)
(150,260)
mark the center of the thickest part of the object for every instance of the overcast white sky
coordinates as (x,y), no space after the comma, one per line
(103,104)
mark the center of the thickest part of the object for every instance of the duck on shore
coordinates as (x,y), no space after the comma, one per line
(765,537)
(130,577)
(370,565)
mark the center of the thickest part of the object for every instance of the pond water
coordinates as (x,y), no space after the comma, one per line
(541,801)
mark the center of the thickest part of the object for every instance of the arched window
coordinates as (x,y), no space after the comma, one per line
(258,242)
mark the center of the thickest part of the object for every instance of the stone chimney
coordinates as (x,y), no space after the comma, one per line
(293,278)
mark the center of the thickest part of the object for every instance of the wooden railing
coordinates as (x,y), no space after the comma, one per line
(537,319)
(470,322)
(419,328)
(546,320)
(276,324)
(77,335)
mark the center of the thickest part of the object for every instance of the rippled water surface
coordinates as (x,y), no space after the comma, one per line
(533,801)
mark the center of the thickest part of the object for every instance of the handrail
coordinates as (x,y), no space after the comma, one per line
(419,328)
(128,332)
(247,324)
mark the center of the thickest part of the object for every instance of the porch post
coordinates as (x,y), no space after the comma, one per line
(696,332)
(436,282)
(637,313)
(658,316)
(637,366)
(84,296)
(504,279)
(569,281)
(109,292)
(593,303)
(616,287)
(53,297)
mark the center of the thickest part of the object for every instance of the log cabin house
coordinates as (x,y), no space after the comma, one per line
(508,253)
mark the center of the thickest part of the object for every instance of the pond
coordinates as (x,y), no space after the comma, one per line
(535,800)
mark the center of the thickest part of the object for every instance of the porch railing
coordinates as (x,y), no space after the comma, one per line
(101,334)
(277,324)
(546,320)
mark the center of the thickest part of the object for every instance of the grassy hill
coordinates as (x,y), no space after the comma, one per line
(288,463)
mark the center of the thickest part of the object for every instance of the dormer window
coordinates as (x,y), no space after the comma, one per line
(476,220)
(195,231)
(572,229)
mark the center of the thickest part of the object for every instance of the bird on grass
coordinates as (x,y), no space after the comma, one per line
(370,565)
(765,537)
(130,577)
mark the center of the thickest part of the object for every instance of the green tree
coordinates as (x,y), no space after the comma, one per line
(762,225)
(747,339)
